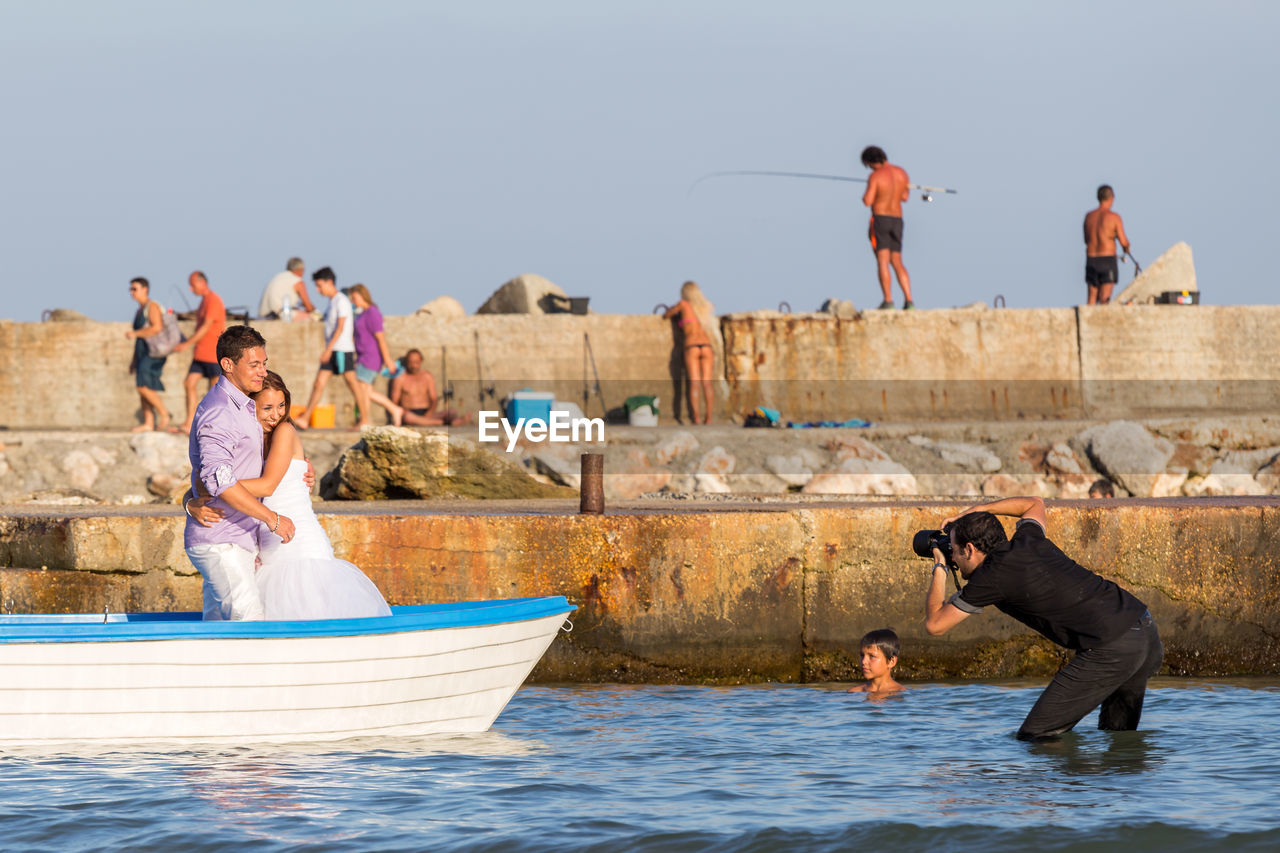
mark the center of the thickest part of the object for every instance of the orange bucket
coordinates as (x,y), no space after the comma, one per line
(322,416)
(295,411)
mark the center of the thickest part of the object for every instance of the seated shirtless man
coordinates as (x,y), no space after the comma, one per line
(414,390)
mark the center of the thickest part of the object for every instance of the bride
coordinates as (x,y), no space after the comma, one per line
(301,579)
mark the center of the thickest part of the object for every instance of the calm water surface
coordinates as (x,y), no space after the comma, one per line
(807,768)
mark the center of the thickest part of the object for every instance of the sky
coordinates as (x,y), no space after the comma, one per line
(432,148)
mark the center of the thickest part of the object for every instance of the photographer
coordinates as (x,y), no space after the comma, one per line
(1029,578)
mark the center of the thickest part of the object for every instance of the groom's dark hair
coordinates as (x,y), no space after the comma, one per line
(235,340)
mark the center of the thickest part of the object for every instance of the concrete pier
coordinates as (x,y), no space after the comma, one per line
(712,592)
(1098,363)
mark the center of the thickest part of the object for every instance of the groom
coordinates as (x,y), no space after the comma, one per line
(226,447)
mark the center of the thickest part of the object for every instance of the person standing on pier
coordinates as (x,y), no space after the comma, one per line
(887,188)
(339,354)
(147,368)
(1103,228)
(211,319)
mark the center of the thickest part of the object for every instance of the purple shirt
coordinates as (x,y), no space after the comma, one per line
(225,448)
(368,324)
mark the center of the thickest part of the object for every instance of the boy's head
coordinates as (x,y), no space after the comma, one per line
(325,281)
(873,155)
(879,652)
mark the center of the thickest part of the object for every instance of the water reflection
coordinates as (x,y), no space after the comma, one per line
(1102,753)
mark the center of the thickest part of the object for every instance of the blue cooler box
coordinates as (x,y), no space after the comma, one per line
(529,405)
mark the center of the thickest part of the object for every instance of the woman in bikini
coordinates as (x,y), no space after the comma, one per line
(693,313)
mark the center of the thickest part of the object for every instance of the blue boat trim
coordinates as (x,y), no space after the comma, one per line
(126,627)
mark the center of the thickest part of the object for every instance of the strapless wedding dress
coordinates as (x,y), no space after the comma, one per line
(303,580)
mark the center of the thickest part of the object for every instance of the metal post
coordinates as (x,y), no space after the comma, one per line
(591,492)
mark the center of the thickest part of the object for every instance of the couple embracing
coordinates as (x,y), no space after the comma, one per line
(251,531)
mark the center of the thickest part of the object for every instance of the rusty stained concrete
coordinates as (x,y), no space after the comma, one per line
(717,593)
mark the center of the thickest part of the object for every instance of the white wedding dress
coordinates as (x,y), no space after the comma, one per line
(303,580)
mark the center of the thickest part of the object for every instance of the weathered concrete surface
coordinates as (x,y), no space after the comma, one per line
(1173,270)
(633,355)
(1104,363)
(1171,360)
(894,365)
(722,592)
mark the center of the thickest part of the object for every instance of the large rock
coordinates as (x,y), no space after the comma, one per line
(443,306)
(524,294)
(633,477)
(1129,455)
(842,308)
(162,453)
(971,457)
(66,315)
(392,463)
(1174,270)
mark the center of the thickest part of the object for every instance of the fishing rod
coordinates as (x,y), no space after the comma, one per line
(1137,270)
(925,190)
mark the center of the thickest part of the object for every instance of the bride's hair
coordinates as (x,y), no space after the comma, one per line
(273,382)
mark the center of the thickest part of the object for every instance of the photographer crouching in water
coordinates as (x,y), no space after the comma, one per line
(1029,578)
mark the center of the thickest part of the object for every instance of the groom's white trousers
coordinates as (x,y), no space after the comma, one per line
(230,590)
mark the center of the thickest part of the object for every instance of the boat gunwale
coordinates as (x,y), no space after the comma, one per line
(138,627)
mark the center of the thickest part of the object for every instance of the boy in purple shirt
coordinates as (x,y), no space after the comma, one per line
(225,448)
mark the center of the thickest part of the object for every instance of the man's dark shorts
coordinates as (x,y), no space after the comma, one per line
(887,231)
(340,362)
(1101,270)
(207,369)
(422,413)
(149,370)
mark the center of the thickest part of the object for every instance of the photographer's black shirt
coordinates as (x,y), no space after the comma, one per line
(1044,589)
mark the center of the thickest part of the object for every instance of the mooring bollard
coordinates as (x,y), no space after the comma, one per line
(591,492)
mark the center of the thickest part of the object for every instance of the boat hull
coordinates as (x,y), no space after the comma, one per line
(423,670)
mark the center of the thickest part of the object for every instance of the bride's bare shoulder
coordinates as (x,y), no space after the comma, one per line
(288,433)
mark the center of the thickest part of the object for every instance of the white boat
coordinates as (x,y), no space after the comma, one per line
(163,677)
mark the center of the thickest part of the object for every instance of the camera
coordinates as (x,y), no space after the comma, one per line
(926,540)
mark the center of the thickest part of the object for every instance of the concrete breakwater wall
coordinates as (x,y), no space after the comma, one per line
(726,592)
(1099,363)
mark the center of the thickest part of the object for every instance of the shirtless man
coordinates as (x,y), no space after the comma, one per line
(887,188)
(1102,228)
(414,389)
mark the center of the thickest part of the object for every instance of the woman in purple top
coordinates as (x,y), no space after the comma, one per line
(371,356)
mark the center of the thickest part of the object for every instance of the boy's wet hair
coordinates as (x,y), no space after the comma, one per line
(873,154)
(883,639)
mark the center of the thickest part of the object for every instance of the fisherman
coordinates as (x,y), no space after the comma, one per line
(887,188)
(1102,228)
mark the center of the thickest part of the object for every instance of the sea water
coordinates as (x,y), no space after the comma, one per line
(786,768)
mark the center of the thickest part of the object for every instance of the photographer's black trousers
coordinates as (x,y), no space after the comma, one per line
(1114,676)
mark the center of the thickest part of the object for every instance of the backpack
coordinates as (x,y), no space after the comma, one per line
(162,342)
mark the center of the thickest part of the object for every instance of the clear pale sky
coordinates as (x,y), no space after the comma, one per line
(429,148)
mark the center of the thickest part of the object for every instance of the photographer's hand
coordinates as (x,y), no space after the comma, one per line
(939,616)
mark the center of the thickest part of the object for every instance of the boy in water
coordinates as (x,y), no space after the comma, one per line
(879,657)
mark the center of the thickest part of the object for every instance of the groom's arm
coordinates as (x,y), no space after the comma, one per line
(217,474)
(237,497)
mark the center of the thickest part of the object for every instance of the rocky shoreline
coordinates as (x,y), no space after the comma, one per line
(1055,459)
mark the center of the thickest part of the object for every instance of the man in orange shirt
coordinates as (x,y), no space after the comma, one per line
(887,188)
(211,319)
